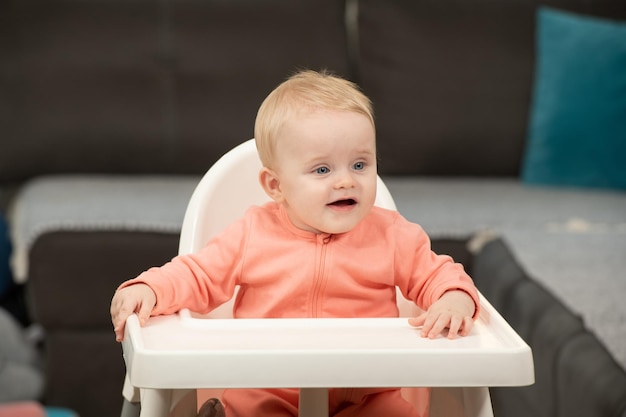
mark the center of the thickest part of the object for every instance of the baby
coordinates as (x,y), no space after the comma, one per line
(319,249)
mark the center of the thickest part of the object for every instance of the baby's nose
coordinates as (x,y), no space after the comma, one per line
(344,180)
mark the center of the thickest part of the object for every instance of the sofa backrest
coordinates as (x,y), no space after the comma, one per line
(166,87)
(148,86)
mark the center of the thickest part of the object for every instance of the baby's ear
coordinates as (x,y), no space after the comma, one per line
(271,184)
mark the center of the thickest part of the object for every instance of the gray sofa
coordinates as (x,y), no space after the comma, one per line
(111,111)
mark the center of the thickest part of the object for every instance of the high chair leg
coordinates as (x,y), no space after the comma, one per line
(313,402)
(460,402)
(130,409)
(131,406)
(477,401)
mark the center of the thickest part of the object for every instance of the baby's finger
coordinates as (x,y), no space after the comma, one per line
(417,321)
(455,327)
(428,321)
(119,314)
(434,325)
(468,323)
(442,322)
(144,313)
(116,320)
(119,333)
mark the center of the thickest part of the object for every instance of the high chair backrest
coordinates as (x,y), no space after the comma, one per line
(224,193)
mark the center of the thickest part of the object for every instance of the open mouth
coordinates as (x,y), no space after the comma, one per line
(343,203)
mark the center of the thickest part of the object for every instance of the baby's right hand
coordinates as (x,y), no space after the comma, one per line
(136,298)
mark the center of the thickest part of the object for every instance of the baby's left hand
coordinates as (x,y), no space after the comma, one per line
(454,311)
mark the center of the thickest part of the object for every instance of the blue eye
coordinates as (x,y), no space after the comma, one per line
(322,170)
(359,166)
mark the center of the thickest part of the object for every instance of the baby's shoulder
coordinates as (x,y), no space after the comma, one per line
(383,215)
(269,213)
(392,219)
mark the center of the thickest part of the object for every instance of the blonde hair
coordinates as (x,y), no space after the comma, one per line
(305,91)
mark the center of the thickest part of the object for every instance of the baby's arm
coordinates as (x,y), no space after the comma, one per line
(136,298)
(454,310)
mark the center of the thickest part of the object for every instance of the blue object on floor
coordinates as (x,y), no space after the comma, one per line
(59,412)
(6,278)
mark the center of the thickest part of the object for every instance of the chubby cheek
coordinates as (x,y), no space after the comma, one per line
(309,192)
(311,204)
(367,194)
(302,198)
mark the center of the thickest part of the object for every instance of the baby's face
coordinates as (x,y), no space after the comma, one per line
(326,164)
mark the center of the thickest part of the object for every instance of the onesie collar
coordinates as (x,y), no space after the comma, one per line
(288,224)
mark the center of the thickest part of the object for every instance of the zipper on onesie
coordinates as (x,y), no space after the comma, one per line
(320,275)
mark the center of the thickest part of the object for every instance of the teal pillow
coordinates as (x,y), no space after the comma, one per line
(577,128)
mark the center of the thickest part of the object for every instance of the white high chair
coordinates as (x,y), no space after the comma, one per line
(172,356)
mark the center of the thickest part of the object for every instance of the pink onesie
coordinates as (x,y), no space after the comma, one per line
(283,271)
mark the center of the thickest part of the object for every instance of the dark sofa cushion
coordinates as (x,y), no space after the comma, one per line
(73,275)
(496,272)
(589,381)
(547,326)
(526,306)
(230,56)
(454,247)
(81,96)
(148,86)
(451,81)
(84,372)
(559,342)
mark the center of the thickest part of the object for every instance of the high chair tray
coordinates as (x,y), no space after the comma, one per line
(183,351)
